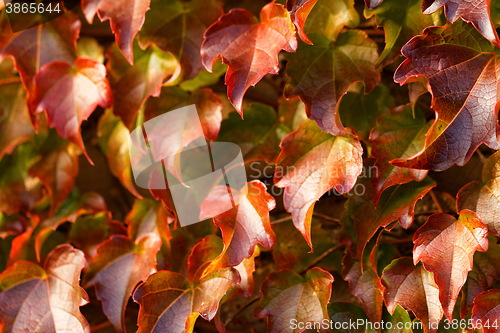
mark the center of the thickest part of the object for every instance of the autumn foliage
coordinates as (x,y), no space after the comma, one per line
(369,132)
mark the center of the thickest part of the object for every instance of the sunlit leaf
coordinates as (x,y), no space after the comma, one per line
(311,163)
(250,48)
(465,106)
(445,246)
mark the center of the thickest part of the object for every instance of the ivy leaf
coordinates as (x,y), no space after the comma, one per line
(299,10)
(242,227)
(465,108)
(401,21)
(132,85)
(372,4)
(258,136)
(475,11)
(286,296)
(360,111)
(397,134)
(76,205)
(18,190)
(89,231)
(57,168)
(311,163)
(52,41)
(48,300)
(117,267)
(169,302)
(446,246)
(178,28)
(250,48)
(113,139)
(203,252)
(290,249)
(486,310)
(321,74)
(396,203)
(482,275)
(365,285)
(83,85)
(15,124)
(126,17)
(482,197)
(414,289)
(329,17)
(208,106)
(148,217)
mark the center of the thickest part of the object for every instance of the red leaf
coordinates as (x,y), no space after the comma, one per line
(170,303)
(57,169)
(487,311)
(482,275)
(127,18)
(475,11)
(33,299)
(365,285)
(115,270)
(465,105)
(287,296)
(482,196)
(397,203)
(35,47)
(299,10)
(398,134)
(132,85)
(244,226)
(311,163)
(321,74)
(69,94)
(178,28)
(250,48)
(415,290)
(446,246)
(205,251)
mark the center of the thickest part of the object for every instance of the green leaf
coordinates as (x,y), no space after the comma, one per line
(360,111)
(401,21)
(258,135)
(321,74)
(329,17)
(397,134)
(178,28)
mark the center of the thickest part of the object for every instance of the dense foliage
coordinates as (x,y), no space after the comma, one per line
(370,194)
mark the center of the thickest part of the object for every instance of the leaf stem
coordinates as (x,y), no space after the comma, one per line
(321,257)
(284,219)
(436,201)
(326,217)
(243,308)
